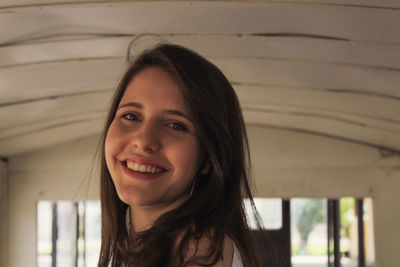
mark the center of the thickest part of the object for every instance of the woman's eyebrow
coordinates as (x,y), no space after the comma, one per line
(131,104)
(178,113)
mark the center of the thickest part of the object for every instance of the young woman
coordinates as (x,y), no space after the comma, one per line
(174,168)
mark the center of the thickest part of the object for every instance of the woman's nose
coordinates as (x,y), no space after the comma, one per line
(146,138)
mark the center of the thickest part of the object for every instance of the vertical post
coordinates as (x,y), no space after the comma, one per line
(360,221)
(287,233)
(84,233)
(3,211)
(330,231)
(54,236)
(76,207)
(336,232)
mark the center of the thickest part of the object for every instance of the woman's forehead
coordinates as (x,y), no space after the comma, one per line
(154,87)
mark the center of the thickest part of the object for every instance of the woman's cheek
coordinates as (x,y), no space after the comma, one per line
(112,143)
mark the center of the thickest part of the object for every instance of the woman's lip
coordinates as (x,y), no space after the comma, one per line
(140,175)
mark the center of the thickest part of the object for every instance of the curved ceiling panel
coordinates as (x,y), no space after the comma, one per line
(328,68)
(181,17)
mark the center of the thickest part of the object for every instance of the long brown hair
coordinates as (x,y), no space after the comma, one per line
(215,207)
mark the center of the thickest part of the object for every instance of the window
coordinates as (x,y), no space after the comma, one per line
(329,232)
(68,233)
(307,231)
(270,210)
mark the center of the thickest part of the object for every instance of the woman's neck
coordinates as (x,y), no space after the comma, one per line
(143,217)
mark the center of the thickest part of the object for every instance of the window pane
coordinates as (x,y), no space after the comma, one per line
(44,227)
(309,232)
(67,235)
(349,232)
(270,210)
(93,232)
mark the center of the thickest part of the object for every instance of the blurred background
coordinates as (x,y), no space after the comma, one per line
(318,81)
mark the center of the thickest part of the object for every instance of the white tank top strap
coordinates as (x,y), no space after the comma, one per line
(236,259)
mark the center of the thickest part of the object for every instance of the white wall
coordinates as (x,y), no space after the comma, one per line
(286,164)
(3,211)
(51,174)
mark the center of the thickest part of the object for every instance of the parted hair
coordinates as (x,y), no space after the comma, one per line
(215,208)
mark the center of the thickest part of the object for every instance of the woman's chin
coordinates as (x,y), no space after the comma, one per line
(136,200)
(147,201)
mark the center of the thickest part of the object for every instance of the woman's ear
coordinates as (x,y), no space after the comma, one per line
(206,167)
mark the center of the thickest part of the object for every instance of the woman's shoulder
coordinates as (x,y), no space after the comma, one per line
(229,253)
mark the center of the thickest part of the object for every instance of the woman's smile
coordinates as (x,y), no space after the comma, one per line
(152,149)
(142,169)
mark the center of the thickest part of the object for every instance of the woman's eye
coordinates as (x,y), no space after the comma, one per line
(130,117)
(177,126)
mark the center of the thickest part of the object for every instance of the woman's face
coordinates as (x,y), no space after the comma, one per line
(152,150)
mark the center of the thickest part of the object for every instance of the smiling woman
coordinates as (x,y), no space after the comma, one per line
(147,146)
(174,168)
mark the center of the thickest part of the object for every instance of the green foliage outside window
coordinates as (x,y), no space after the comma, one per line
(310,216)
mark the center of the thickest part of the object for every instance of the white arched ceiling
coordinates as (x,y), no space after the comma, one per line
(322,67)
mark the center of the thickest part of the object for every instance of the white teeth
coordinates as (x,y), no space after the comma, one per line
(132,166)
(143,168)
(148,169)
